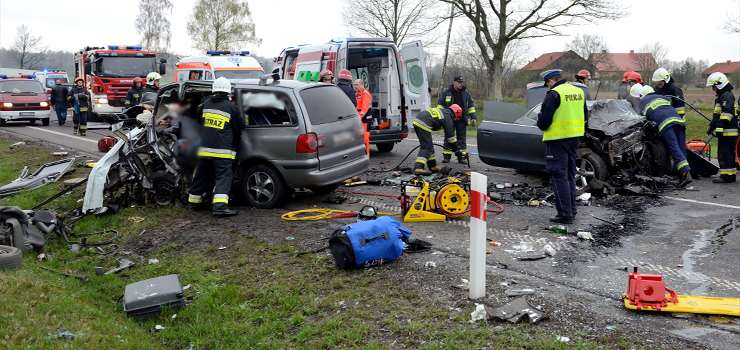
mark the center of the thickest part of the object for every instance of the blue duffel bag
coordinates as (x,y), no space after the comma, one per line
(368,243)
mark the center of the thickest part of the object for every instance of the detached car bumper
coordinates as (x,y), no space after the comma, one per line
(25,114)
(303,174)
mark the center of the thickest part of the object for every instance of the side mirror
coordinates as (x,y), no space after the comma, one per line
(88,68)
(162,60)
(162,69)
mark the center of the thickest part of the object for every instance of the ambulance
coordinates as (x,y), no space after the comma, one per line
(48,78)
(216,64)
(396,79)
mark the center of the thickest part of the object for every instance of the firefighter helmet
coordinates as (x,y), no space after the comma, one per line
(635,90)
(83,80)
(636,77)
(457,110)
(662,75)
(345,77)
(626,75)
(221,85)
(717,79)
(647,89)
(137,80)
(152,77)
(584,74)
(324,73)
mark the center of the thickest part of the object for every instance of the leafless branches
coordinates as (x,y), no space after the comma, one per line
(153,25)
(221,25)
(27,50)
(593,48)
(400,20)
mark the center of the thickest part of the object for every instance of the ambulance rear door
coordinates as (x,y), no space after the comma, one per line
(415,83)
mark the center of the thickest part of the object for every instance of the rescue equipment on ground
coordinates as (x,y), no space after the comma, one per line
(648,292)
(106,143)
(368,243)
(147,298)
(700,146)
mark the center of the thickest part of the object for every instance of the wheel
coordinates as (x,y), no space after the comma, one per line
(2,122)
(10,257)
(660,158)
(324,189)
(32,121)
(263,187)
(385,147)
(164,188)
(590,167)
(46,122)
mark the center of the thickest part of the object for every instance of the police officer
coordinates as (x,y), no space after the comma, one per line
(222,127)
(724,126)
(430,120)
(79,97)
(562,118)
(458,94)
(670,126)
(665,85)
(59,101)
(133,97)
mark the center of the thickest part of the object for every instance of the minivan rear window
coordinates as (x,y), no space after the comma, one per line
(326,104)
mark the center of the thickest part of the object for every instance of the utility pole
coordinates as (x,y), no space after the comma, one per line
(447,49)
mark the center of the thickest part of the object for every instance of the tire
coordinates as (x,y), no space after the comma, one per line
(385,147)
(590,167)
(263,187)
(45,122)
(660,158)
(2,122)
(32,121)
(324,189)
(10,257)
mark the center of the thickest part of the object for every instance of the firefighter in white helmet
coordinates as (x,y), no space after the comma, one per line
(665,85)
(222,127)
(724,126)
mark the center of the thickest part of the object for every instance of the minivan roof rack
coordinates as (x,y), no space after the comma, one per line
(275,78)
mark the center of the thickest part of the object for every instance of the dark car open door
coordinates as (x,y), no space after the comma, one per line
(515,145)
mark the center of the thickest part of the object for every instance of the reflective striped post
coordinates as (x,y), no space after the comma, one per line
(479,184)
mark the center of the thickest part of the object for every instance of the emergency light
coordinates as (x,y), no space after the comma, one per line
(339,40)
(20,76)
(218,53)
(123,47)
(3,76)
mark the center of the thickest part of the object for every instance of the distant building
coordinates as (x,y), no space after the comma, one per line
(729,68)
(569,61)
(613,65)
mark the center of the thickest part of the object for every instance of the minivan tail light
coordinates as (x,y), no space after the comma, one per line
(309,143)
(403,136)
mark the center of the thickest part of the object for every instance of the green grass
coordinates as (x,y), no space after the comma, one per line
(696,125)
(250,295)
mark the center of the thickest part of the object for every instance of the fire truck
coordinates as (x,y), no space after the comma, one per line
(109,73)
(216,64)
(395,77)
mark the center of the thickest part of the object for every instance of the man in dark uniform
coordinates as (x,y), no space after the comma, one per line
(670,126)
(624,86)
(59,101)
(724,126)
(222,128)
(562,117)
(665,85)
(344,83)
(457,94)
(582,78)
(79,97)
(133,97)
(430,120)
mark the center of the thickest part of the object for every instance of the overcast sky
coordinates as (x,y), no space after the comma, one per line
(689,28)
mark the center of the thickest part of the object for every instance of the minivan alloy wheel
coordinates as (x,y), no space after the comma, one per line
(261,187)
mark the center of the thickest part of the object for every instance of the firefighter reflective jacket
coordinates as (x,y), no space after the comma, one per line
(222,127)
(133,97)
(658,109)
(447,99)
(671,89)
(434,119)
(80,95)
(724,118)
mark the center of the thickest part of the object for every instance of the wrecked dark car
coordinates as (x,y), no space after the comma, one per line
(617,145)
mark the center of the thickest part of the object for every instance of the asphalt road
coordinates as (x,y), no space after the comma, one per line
(689,236)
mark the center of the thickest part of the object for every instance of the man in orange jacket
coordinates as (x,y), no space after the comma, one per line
(364,99)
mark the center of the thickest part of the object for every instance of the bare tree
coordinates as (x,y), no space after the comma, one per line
(221,25)
(526,19)
(400,20)
(732,25)
(660,55)
(27,50)
(593,48)
(152,24)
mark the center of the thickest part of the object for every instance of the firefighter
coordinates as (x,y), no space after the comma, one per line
(222,128)
(582,78)
(133,97)
(458,94)
(344,80)
(632,79)
(326,76)
(430,120)
(666,86)
(671,127)
(562,118)
(724,126)
(80,98)
(59,101)
(152,85)
(624,87)
(364,100)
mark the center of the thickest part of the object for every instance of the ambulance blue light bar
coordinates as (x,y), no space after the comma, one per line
(218,53)
(338,40)
(3,76)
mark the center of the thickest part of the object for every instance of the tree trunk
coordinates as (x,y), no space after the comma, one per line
(447,50)
(496,72)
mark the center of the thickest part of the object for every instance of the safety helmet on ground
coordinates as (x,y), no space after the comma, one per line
(584,74)
(137,80)
(718,79)
(662,74)
(152,77)
(324,73)
(221,85)
(626,75)
(83,80)
(345,77)
(457,110)
(636,77)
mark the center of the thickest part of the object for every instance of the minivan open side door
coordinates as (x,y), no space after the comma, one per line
(415,83)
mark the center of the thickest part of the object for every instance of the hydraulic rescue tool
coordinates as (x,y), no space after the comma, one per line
(448,199)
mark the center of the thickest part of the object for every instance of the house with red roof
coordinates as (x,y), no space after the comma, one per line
(612,65)
(569,61)
(729,68)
